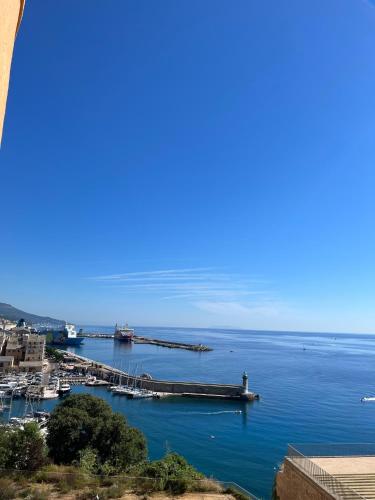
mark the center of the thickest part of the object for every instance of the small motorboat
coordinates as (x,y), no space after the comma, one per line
(367,398)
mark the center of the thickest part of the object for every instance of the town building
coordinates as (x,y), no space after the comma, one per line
(15,347)
(6,324)
(6,363)
(22,350)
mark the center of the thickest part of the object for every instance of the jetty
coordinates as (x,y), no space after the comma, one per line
(171,345)
(138,339)
(164,388)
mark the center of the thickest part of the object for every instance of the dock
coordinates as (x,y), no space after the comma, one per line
(138,339)
(85,366)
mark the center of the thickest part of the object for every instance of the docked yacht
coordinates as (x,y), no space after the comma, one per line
(49,392)
(122,390)
(140,394)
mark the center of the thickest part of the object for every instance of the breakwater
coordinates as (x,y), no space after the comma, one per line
(163,387)
(138,339)
(171,345)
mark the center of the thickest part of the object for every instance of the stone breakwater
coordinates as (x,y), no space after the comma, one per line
(171,345)
(162,387)
(138,339)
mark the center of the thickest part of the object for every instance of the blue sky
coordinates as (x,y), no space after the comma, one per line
(193,163)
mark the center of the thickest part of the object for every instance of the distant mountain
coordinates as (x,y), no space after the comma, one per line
(13,314)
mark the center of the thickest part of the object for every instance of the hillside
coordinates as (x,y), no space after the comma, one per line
(13,314)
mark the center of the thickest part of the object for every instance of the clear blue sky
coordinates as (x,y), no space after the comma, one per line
(192,162)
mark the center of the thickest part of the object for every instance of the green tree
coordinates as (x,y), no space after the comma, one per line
(53,353)
(84,421)
(22,449)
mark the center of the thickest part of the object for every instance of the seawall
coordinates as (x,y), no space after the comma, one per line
(192,389)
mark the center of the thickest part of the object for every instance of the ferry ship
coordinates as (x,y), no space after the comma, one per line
(124,333)
(66,336)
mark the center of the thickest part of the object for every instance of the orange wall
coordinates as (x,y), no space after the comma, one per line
(10,17)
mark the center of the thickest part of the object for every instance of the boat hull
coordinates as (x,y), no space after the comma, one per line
(124,339)
(67,341)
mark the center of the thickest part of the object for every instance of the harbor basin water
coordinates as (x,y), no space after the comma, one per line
(310,387)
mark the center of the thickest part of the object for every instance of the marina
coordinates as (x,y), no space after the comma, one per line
(160,388)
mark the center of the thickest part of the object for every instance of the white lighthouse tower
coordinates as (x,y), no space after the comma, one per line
(245,383)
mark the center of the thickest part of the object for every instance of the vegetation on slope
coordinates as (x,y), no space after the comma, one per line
(89,451)
(54,354)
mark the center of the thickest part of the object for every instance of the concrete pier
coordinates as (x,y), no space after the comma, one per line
(138,339)
(165,387)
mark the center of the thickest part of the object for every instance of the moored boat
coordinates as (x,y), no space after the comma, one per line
(64,388)
(49,392)
(93,382)
(122,390)
(140,394)
(124,333)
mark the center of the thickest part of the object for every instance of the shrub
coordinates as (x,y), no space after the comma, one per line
(66,478)
(63,486)
(54,474)
(117,490)
(35,494)
(172,473)
(8,489)
(22,449)
(206,486)
(88,461)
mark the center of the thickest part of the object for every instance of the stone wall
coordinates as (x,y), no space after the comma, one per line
(184,387)
(167,386)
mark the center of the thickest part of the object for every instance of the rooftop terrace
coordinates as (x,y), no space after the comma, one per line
(344,471)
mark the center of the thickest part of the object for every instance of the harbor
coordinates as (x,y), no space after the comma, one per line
(24,343)
(160,390)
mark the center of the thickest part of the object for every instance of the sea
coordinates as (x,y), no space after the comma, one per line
(310,387)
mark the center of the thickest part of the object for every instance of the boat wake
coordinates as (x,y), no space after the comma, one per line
(211,412)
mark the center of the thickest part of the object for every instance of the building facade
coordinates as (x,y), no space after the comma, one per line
(22,351)
(10,18)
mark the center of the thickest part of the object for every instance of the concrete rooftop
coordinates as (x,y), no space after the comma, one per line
(356,473)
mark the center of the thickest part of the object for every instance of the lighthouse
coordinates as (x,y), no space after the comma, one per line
(245,383)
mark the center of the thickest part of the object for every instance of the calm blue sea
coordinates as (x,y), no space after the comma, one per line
(310,387)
